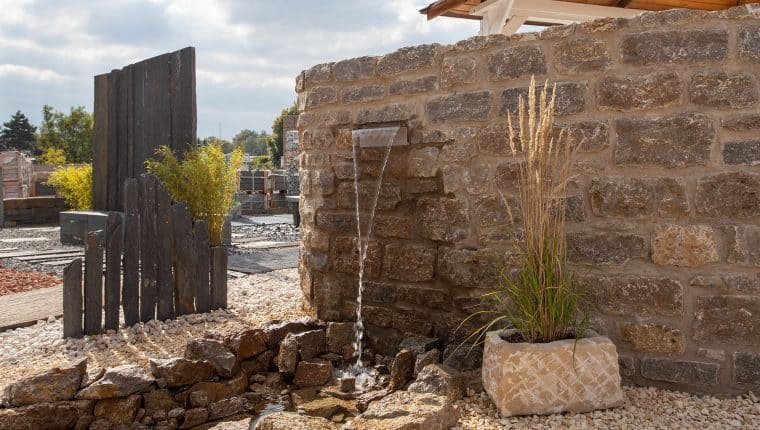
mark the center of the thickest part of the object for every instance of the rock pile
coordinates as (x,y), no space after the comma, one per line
(289,364)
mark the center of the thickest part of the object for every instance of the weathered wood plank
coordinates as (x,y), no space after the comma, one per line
(183,103)
(140,97)
(100,142)
(165,277)
(203,301)
(184,259)
(219,277)
(114,244)
(114,114)
(148,290)
(130,293)
(93,282)
(72,299)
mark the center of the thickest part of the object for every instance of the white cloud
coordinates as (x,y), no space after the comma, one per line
(30,73)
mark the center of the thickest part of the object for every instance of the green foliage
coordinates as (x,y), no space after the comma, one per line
(74,183)
(71,133)
(225,145)
(205,179)
(253,142)
(53,156)
(262,162)
(18,133)
(275,141)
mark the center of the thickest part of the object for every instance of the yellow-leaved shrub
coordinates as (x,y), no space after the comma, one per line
(74,183)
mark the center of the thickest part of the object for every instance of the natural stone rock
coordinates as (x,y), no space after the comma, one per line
(393,226)
(225,408)
(670,141)
(654,338)
(463,356)
(423,162)
(159,400)
(413,86)
(685,246)
(638,197)
(723,91)
(101,424)
(310,344)
(742,122)
(241,421)
(404,410)
(49,416)
(120,381)
(92,375)
(742,152)
(224,362)
(402,369)
(570,98)
(354,69)
(362,93)
(60,383)
(420,344)
(439,379)
(407,59)
(327,407)
(259,364)
(319,73)
(390,113)
(742,244)
(177,372)
(292,420)
(119,410)
(288,357)
(466,267)
(591,136)
(605,247)
(413,263)
(216,391)
(423,359)
(491,211)
(248,343)
(389,198)
(733,320)
(680,372)
(581,55)
(516,61)
(729,194)
(627,366)
(457,71)
(442,219)
(626,93)
(746,370)
(565,375)
(749,43)
(674,46)
(194,417)
(319,96)
(635,295)
(459,107)
(339,335)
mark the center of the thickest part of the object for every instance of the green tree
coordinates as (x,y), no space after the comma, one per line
(225,145)
(18,133)
(252,142)
(275,141)
(53,156)
(72,133)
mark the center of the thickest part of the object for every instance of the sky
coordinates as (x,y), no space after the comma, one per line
(248,52)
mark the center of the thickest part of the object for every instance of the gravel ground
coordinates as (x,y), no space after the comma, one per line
(18,281)
(270,232)
(51,236)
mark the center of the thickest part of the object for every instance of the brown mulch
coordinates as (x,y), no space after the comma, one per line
(19,281)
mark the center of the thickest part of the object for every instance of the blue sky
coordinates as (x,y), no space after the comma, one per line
(248,52)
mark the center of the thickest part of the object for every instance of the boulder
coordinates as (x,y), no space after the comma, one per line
(441,380)
(310,344)
(53,416)
(177,372)
(339,335)
(288,356)
(309,374)
(248,343)
(225,408)
(291,420)
(120,381)
(402,369)
(120,410)
(259,364)
(216,391)
(276,331)
(159,400)
(463,356)
(429,357)
(419,344)
(403,410)
(224,362)
(326,407)
(91,376)
(60,383)
(236,422)
(194,417)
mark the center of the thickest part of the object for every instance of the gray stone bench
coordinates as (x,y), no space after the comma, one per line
(76,224)
(293,204)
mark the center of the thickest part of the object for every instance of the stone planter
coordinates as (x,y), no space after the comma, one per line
(543,378)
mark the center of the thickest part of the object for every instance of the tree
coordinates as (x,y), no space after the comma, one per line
(274,143)
(53,156)
(252,142)
(225,145)
(71,133)
(18,133)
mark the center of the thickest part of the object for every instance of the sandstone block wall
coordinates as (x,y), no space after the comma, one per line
(665,211)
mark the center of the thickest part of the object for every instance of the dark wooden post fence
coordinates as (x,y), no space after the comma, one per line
(158,264)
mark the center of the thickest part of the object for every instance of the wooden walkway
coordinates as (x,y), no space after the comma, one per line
(25,309)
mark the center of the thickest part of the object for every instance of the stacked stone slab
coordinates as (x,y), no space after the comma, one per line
(664,213)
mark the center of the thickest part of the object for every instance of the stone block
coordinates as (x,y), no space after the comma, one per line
(339,335)
(742,243)
(354,69)
(656,338)
(57,415)
(581,55)
(441,380)
(248,343)
(310,344)
(493,140)
(591,136)
(362,93)
(423,162)
(413,263)
(638,197)
(345,257)
(442,219)
(119,381)
(516,61)
(458,70)
(492,211)
(407,59)
(742,122)
(337,222)
(507,175)
(319,96)
(318,139)
(627,366)
(76,224)
(639,296)
(467,268)
(60,383)
(405,410)
(389,197)
(119,411)
(638,92)
(459,107)
(395,112)
(745,152)
(670,141)
(674,46)
(310,374)
(680,372)
(177,372)
(749,43)
(432,298)
(723,91)
(605,247)
(318,73)
(570,98)
(729,194)
(224,362)
(746,370)
(684,246)
(727,319)
(413,86)
(393,226)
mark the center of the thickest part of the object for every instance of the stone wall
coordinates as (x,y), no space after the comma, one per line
(665,212)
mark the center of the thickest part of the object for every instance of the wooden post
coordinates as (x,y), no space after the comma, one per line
(93,282)
(203,302)
(72,299)
(219,276)
(184,259)
(165,278)
(113,270)
(130,293)
(148,290)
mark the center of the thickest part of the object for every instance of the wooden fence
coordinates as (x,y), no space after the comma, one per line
(158,265)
